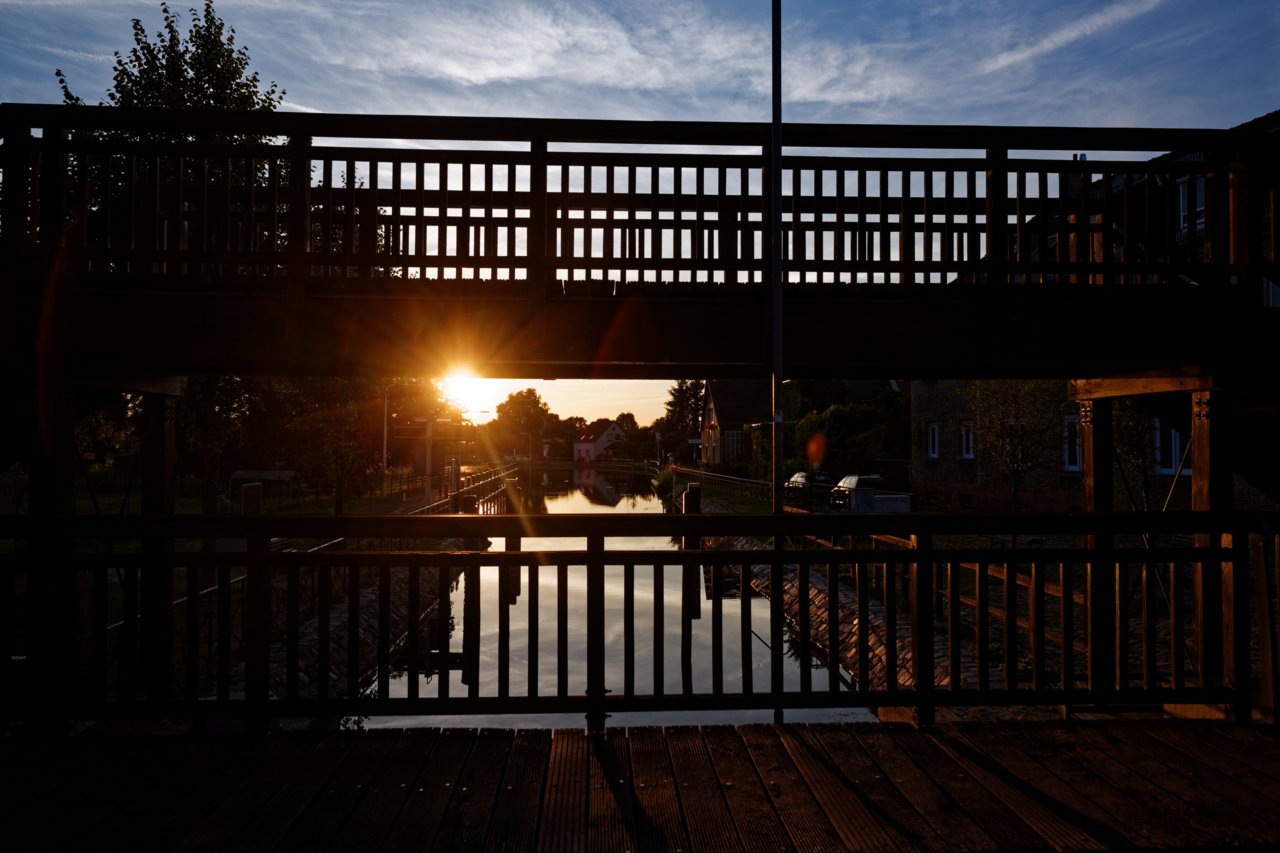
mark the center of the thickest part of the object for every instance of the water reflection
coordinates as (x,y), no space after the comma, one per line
(663,599)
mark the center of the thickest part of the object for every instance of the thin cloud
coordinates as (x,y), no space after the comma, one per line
(1083,28)
(680,48)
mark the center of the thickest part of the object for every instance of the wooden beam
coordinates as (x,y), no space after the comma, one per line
(1192,378)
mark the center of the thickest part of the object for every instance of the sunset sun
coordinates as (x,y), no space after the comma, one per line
(473,395)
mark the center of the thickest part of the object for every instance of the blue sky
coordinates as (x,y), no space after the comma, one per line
(1141,63)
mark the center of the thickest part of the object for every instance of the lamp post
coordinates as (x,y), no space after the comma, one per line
(775,259)
(385,392)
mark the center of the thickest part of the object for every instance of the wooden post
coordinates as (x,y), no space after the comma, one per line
(1262,560)
(1211,491)
(158,457)
(1098,486)
(595,634)
(997,215)
(299,245)
(922,603)
(257,652)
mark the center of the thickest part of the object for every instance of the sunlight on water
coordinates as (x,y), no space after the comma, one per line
(653,600)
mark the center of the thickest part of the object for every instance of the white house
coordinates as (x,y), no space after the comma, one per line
(596,440)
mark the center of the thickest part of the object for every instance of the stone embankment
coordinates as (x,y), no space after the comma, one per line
(338,646)
(847,631)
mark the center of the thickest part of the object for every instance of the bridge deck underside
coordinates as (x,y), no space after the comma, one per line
(861,331)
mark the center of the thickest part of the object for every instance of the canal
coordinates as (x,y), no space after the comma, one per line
(581,491)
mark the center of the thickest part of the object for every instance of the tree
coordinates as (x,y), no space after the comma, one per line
(1019,425)
(683,419)
(203,70)
(626,422)
(520,422)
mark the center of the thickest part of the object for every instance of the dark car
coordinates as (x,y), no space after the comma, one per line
(808,487)
(845,492)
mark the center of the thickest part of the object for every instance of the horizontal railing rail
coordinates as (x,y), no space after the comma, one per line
(416,616)
(723,484)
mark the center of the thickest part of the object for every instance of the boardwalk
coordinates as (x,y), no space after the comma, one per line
(1083,785)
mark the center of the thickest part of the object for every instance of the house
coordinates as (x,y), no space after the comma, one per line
(596,440)
(955,467)
(957,463)
(729,406)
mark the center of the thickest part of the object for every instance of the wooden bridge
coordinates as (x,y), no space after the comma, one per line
(330,244)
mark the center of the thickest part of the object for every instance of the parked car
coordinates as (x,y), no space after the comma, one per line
(808,487)
(846,493)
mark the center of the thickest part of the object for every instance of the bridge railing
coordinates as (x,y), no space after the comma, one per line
(539,208)
(416,616)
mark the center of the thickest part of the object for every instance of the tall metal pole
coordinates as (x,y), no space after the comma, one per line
(385,392)
(775,206)
(775,257)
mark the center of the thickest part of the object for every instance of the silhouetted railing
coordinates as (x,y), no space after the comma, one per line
(109,617)
(349,203)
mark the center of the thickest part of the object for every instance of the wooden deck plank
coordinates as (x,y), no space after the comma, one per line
(1054,749)
(418,821)
(657,802)
(955,824)
(369,823)
(611,813)
(159,817)
(565,799)
(121,782)
(278,816)
(1202,805)
(230,769)
(795,803)
(702,799)
(1251,808)
(1262,742)
(1008,786)
(750,807)
(895,814)
(469,810)
(333,804)
(853,821)
(514,825)
(1024,800)
(1244,754)
(1130,800)
(1006,829)
(250,788)
(1059,794)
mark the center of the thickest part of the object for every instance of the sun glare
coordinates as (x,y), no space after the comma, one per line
(472,394)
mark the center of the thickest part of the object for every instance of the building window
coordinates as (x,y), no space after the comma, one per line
(1191,206)
(1071,443)
(966,439)
(931,440)
(1167,447)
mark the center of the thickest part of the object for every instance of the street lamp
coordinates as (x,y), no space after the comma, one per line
(385,393)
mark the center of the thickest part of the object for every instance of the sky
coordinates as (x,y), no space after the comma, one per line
(1114,63)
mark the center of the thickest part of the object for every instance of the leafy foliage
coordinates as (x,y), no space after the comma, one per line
(520,423)
(1019,425)
(201,70)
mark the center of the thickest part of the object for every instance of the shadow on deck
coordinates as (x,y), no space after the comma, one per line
(1083,785)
